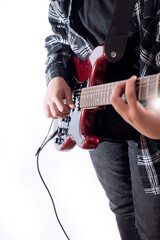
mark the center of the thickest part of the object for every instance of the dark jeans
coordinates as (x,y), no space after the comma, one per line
(137,213)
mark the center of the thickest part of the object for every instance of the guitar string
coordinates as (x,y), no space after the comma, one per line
(138,81)
(152,83)
(77,92)
(143,87)
(107,91)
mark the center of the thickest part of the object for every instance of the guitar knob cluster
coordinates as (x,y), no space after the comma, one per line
(62,131)
(65,131)
(67,119)
(59,140)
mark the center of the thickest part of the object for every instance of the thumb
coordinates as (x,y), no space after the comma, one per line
(69,101)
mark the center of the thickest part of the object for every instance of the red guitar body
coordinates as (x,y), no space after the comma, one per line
(77,127)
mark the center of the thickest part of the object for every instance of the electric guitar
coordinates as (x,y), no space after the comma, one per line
(90,93)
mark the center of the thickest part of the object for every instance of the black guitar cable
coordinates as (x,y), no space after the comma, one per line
(45,141)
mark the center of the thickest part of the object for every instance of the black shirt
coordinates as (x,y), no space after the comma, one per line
(92,20)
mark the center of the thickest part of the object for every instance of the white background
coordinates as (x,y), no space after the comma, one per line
(26,211)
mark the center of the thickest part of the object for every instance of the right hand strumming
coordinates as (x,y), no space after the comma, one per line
(57,91)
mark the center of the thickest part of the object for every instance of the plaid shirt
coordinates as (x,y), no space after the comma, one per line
(65,41)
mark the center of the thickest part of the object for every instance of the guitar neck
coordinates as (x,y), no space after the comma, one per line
(146,88)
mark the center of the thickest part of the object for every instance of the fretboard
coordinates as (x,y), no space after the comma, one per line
(146,88)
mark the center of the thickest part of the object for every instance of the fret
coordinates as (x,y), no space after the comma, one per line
(101,97)
(96,95)
(106,94)
(152,87)
(139,95)
(147,90)
(91,99)
(144,84)
(146,87)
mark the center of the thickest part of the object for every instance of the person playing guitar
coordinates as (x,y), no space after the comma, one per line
(123,132)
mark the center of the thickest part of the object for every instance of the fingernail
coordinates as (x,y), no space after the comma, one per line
(72,105)
(68,107)
(134,77)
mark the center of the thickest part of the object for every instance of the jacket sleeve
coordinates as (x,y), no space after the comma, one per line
(57,45)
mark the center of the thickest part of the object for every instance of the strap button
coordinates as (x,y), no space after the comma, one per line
(113,54)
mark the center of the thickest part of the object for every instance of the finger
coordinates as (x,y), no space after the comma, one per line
(47,111)
(55,111)
(62,108)
(130,92)
(122,108)
(69,101)
(116,99)
(118,90)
